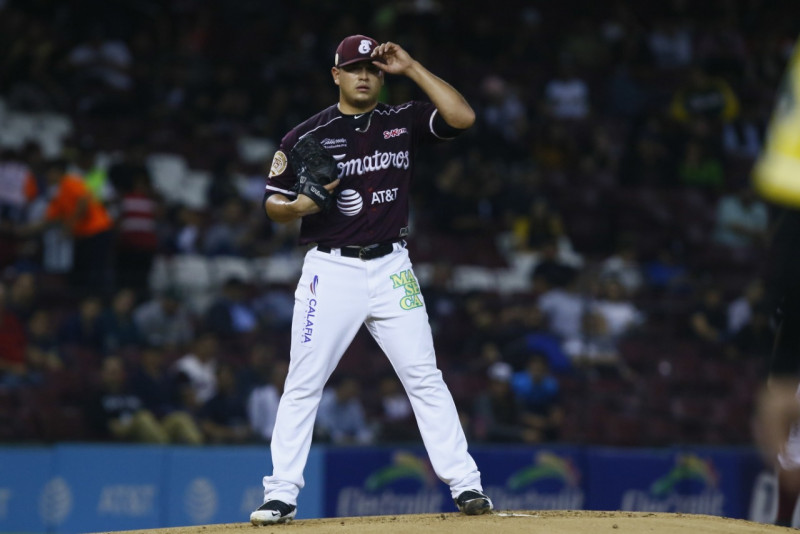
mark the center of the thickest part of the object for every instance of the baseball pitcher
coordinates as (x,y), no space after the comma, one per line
(346,172)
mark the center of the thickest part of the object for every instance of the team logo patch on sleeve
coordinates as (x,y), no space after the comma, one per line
(279,163)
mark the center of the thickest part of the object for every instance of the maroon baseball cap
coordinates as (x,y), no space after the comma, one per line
(354,49)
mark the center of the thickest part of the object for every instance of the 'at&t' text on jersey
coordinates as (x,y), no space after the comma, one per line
(374,154)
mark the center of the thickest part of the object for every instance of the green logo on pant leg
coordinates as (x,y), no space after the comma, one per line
(407,281)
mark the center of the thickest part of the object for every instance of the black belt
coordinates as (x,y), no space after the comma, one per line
(370,252)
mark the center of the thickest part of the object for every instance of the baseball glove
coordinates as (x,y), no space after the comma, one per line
(314,168)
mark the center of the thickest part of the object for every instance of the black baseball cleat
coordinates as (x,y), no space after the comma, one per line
(272,512)
(473,502)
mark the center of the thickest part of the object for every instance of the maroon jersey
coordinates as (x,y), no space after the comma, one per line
(374,154)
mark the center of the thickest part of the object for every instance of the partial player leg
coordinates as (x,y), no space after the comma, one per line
(399,324)
(330,304)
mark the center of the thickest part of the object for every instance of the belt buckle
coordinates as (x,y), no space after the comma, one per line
(365,253)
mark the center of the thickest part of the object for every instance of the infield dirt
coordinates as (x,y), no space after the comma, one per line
(505,522)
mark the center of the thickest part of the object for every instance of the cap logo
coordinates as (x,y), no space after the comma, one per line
(365,46)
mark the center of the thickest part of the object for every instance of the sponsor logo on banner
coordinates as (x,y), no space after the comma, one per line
(128,500)
(411,298)
(406,486)
(201,500)
(551,482)
(691,486)
(55,502)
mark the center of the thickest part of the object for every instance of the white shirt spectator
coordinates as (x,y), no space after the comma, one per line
(620,316)
(202,376)
(568,98)
(741,220)
(564,312)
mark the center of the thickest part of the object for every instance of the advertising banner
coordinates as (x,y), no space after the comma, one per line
(24,505)
(382,481)
(224,484)
(533,478)
(693,481)
(105,488)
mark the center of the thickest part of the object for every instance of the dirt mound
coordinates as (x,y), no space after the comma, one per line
(506,522)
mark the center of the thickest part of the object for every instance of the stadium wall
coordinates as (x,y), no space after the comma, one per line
(92,488)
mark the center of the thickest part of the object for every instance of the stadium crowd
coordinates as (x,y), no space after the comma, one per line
(592,256)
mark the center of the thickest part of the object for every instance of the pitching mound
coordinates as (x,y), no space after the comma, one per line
(546,522)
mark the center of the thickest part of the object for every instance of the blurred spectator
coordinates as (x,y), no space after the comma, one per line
(567,94)
(341,419)
(165,321)
(117,323)
(129,166)
(755,339)
(82,327)
(708,320)
(230,314)
(620,314)
(189,232)
(136,233)
(670,43)
(563,309)
(740,310)
(648,158)
(100,69)
(538,340)
(228,235)
(624,267)
(704,97)
(595,352)
(151,382)
(223,417)
(744,137)
(503,114)
(87,221)
(397,423)
(273,305)
(44,351)
(196,371)
(13,342)
(30,67)
(497,411)
(667,272)
(95,176)
(256,368)
(113,412)
(262,403)
(741,220)
(539,226)
(699,167)
(23,296)
(551,272)
(540,395)
(18,186)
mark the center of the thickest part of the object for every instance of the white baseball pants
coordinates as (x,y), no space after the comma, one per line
(334,296)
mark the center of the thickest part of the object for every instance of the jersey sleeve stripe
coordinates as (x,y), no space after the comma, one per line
(279,190)
(430,125)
